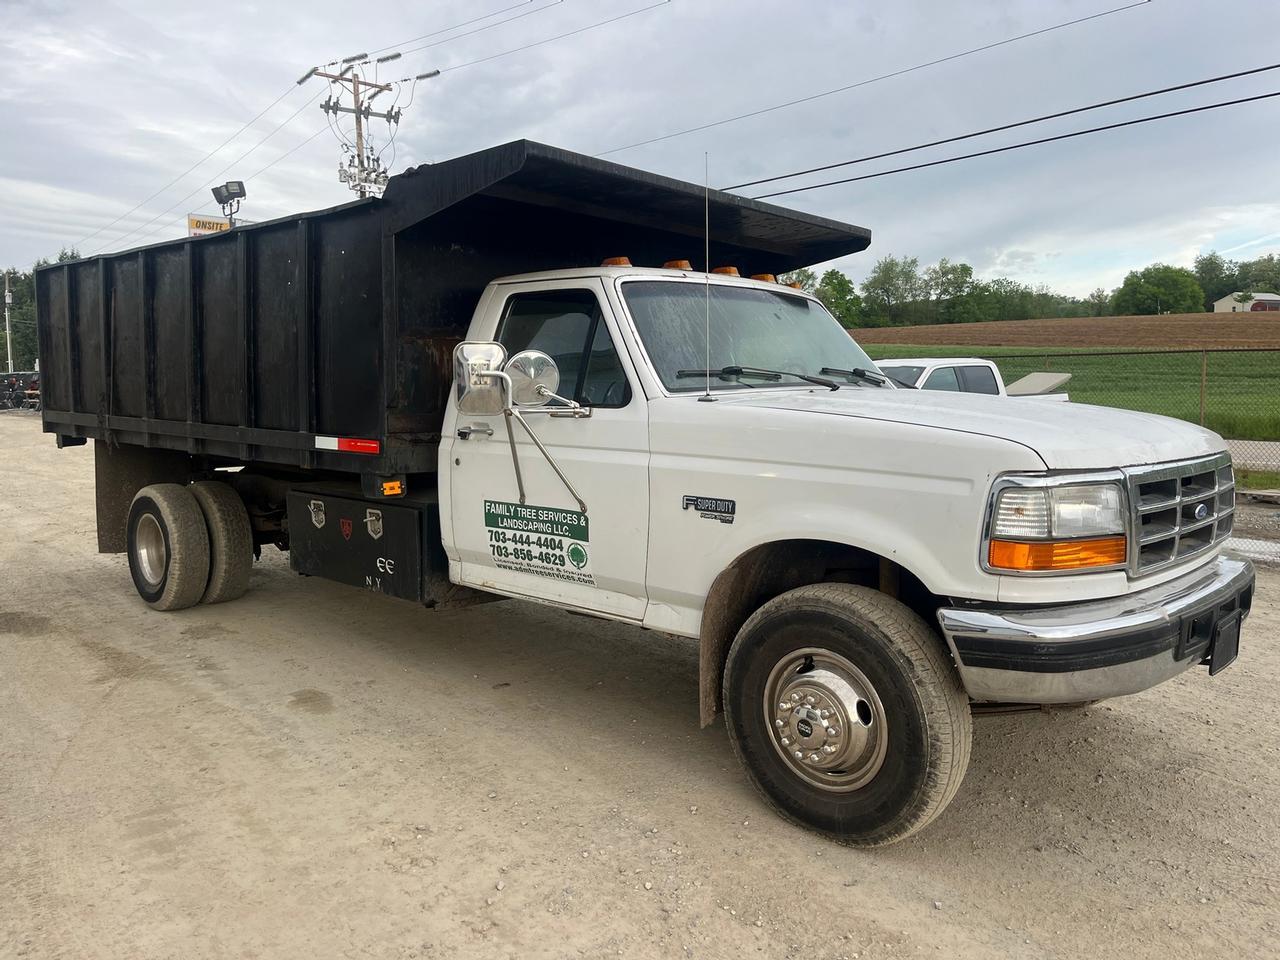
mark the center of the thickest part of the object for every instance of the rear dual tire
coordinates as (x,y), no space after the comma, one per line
(188,545)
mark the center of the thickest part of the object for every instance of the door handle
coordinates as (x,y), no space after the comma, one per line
(464,433)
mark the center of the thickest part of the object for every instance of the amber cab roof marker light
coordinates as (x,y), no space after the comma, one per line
(677,265)
(727,271)
(766,277)
(616,262)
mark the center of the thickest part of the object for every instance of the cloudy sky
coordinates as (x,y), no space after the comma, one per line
(105,103)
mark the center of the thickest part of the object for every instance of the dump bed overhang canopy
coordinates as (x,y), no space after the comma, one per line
(652,218)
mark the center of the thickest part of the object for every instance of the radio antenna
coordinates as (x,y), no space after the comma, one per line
(706,266)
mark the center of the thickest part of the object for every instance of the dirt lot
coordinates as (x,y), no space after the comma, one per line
(1176,331)
(316,771)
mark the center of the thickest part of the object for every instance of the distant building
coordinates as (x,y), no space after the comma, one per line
(1260,301)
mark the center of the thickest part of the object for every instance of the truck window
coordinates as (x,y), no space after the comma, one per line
(749,327)
(944,378)
(567,326)
(978,380)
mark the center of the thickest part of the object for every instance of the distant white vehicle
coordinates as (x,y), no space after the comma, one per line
(970,375)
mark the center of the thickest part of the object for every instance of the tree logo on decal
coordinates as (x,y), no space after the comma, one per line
(577,555)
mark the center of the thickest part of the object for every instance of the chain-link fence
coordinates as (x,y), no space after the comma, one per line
(1235,393)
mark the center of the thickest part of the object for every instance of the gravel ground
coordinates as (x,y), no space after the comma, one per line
(316,771)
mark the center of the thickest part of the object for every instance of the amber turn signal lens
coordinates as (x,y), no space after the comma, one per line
(677,265)
(727,271)
(616,262)
(1056,554)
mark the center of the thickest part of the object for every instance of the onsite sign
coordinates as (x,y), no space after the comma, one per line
(200,224)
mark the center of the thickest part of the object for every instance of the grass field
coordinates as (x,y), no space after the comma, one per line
(1176,331)
(1242,389)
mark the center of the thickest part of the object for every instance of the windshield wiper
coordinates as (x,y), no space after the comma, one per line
(760,373)
(857,373)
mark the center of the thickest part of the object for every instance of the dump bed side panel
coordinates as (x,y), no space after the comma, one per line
(254,345)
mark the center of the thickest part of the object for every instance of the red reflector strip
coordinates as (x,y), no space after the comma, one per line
(348,445)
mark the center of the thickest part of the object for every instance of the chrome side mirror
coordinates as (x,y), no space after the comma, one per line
(479,391)
(535,378)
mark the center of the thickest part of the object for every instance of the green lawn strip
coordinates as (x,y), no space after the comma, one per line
(1242,389)
(1258,479)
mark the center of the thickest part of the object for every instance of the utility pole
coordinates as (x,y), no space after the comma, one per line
(8,333)
(362,177)
(364,172)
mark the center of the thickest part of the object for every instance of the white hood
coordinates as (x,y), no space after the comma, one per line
(1067,436)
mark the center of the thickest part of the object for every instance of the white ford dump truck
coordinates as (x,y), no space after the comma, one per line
(443,396)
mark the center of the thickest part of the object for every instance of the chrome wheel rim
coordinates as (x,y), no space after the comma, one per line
(152,554)
(826,720)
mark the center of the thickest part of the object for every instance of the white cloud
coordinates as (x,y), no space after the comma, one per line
(105,103)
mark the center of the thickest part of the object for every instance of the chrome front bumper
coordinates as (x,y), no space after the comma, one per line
(1099,649)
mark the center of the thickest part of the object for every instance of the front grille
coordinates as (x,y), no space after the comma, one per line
(1179,510)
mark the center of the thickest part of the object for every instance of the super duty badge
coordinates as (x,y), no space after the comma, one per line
(711,508)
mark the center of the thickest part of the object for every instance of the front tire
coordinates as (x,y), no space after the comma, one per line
(168,547)
(847,713)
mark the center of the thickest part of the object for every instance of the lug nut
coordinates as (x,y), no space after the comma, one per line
(825,714)
(784,706)
(798,754)
(814,758)
(833,731)
(786,741)
(809,699)
(779,724)
(795,698)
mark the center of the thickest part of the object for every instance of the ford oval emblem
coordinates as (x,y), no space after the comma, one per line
(1202,511)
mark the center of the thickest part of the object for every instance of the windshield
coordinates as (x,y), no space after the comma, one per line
(901,373)
(749,327)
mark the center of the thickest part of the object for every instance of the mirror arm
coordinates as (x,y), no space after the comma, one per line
(582,504)
(515,460)
(512,413)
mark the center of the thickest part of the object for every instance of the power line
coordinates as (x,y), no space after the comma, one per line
(280,126)
(1027,143)
(1008,126)
(265,110)
(561,36)
(436,33)
(469,63)
(518,16)
(870,80)
(189,169)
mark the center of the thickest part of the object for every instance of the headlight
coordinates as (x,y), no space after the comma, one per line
(1044,528)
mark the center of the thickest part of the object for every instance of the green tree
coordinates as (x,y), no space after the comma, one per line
(22,314)
(807,279)
(1217,276)
(892,286)
(837,292)
(1159,288)
(1098,303)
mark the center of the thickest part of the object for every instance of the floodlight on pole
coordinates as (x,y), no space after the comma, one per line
(228,196)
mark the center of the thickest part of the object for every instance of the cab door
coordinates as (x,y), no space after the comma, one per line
(548,548)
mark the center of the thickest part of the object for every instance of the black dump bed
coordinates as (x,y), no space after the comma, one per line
(278,341)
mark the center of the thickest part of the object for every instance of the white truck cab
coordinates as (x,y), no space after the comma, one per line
(715,458)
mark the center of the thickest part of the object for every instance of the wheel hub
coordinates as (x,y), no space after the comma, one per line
(827,719)
(152,554)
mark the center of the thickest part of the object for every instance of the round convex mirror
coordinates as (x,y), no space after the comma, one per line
(530,370)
